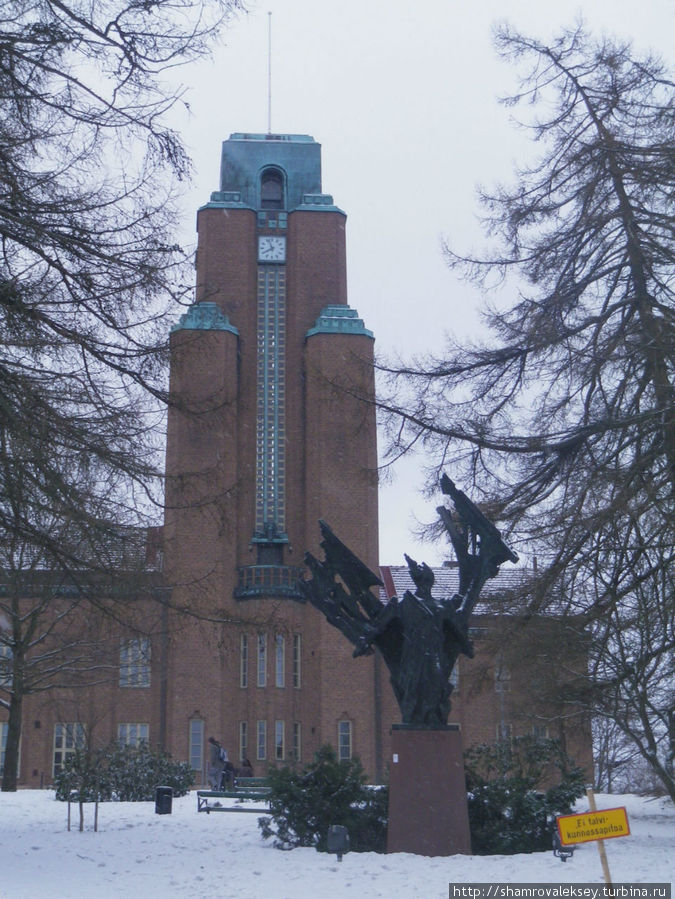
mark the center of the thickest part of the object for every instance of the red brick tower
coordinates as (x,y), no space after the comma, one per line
(270,429)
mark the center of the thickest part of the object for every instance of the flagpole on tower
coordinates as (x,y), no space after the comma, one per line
(269,73)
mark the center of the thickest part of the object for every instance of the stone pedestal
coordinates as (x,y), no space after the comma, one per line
(427,792)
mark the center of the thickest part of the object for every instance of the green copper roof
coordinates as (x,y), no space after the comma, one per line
(297,157)
(339,320)
(204,317)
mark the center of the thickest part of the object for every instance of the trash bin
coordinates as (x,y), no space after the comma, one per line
(163,799)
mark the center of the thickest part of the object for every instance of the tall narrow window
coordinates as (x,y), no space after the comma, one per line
(132,734)
(272,189)
(297,741)
(196,744)
(261,740)
(135,662)
(279,660)
(279,741)
(4,729)
(454,676)
(344,740)
(502,678)
(262,660)
(67,739)
(297,661)
(243,661)
(504,731)
(6,656)
(243,740)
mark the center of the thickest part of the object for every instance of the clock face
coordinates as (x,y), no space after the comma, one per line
(271,249)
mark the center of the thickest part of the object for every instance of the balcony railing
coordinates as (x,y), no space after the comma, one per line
(268,580)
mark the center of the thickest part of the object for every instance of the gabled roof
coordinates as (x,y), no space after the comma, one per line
(397,580)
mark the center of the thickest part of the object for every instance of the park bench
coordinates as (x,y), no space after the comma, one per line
(245,788)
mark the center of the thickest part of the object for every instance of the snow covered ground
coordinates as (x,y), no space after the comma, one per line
(141,855)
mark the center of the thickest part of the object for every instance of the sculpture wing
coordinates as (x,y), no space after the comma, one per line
(471,516)
(355,574)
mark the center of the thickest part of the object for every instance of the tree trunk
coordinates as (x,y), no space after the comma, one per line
(11,770)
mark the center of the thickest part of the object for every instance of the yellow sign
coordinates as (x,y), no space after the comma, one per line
(601,825)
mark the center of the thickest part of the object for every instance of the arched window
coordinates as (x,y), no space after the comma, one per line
(272,189)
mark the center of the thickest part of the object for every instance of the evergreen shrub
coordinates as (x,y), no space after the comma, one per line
(516,788)
(122,773)
(304,804)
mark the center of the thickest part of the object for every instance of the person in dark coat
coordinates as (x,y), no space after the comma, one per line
(221,769)
(216,765)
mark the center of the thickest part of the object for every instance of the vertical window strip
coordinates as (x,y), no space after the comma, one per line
(271,399)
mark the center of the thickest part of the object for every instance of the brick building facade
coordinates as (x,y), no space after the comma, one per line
(271,427)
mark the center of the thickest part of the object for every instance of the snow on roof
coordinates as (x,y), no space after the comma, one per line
(397,580)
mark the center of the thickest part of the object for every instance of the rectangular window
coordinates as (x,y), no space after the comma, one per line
(262,740)
(262,660)
(6,655)
(4,731)
(243,740)
(297,741)
(279,747)
(540,731)
(279,660)
(477,633)
(502,678)
(243,661)
(297,661)
(344,740)
(454,677)
(196,744)
(4,728)
(67,739)
(504,731)
(135,662)
(132,734)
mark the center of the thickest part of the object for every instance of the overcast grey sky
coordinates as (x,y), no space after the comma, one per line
(403,98)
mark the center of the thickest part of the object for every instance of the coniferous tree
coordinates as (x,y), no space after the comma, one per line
(565,417)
